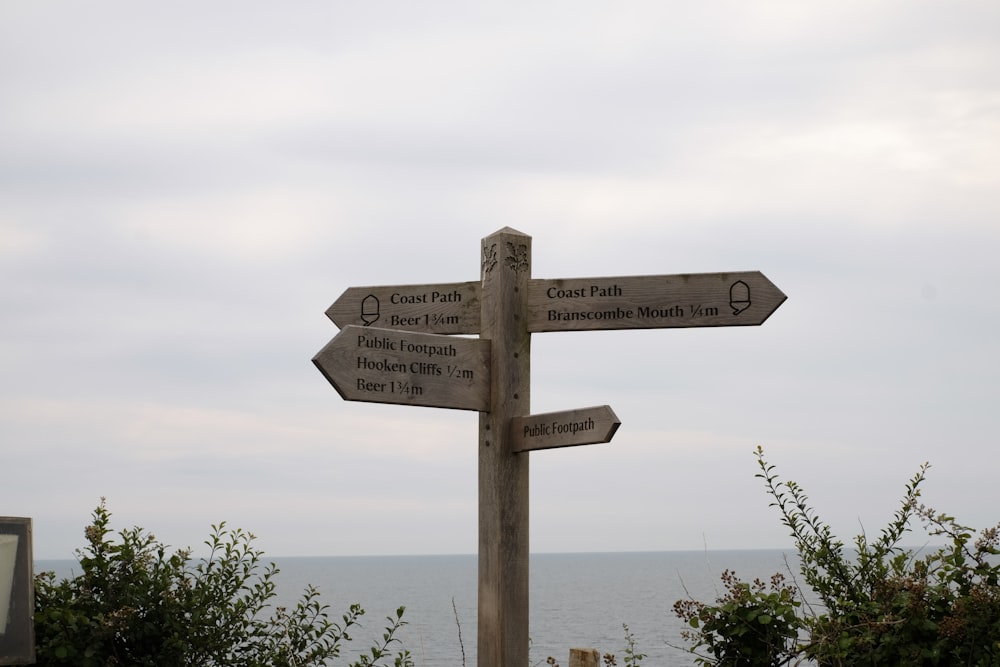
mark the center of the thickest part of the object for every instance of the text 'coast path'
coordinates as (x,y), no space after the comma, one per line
(727,299)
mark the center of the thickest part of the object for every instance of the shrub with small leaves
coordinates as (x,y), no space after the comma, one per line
(879,603)
(751,624)
(137,604)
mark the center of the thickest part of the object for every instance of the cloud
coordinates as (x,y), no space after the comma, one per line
(185,190)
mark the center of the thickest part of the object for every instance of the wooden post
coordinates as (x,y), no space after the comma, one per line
(584,657)
(503,474)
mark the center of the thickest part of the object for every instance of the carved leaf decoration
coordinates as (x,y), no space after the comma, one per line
(489,257)
(517,256)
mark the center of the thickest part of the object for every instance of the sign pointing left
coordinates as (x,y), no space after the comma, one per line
(446,308)
(390,366)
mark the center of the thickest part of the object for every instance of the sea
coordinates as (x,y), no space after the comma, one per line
(576,600)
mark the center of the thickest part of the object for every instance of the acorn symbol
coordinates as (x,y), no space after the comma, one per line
(739,297)
(369,310)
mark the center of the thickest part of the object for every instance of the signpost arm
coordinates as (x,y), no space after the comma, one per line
(503,474)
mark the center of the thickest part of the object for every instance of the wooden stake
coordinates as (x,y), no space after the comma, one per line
(503,474)
(584,657)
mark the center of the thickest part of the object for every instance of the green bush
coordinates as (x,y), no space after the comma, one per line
(750,625)
(879,603)
(136,603)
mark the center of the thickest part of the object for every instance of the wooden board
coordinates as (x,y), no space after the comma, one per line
(447,308)
(740,298)
(744,298)
(388,366)
(583,426)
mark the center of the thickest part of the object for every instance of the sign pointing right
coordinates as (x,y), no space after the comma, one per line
(743,298)
(584,426)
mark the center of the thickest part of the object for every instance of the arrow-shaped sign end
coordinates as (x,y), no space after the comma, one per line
(778,298)
(340,311)
(321,362)
(614,423)
(584,426)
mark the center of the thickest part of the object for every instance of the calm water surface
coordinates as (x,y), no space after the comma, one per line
(576,600)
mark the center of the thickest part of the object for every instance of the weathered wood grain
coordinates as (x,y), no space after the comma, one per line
(569,428)
(503,474)
(446,308)
(744,298)
(404,367)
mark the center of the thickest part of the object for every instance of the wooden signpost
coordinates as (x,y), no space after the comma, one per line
(389,366)
(393,349)
(586,426)
(744,298)
(652,302)
(442,309)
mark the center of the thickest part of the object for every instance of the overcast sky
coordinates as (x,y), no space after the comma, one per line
(185,188)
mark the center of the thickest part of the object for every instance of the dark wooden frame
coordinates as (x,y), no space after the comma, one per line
(17,643)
